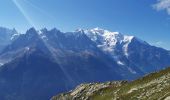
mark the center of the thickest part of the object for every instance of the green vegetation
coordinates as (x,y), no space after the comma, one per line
(155,86)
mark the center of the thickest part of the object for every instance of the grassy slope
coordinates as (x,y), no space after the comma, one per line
(155,86)
(150,87)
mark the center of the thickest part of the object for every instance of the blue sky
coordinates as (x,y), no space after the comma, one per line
(133,17)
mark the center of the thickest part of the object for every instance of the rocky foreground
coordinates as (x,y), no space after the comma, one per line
(155,86)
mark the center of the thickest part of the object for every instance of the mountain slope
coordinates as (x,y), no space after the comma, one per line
(131,53)
(36,67)
(28,77)
(151,87)
(35,75)
(7,36)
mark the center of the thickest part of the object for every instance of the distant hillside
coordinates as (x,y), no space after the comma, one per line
(155,86)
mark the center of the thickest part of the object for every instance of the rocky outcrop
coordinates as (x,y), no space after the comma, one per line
(85,91)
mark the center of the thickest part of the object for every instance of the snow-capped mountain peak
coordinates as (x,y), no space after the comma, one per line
(98,32)
(114,44)
(107,40)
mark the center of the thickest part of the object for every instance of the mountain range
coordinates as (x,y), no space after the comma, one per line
(42,63)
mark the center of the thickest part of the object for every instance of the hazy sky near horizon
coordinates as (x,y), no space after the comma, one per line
(146,19)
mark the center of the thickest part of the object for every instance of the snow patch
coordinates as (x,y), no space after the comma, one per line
(42,35)
(131,70)
(1,64)
(120,63)
(14,36)
(127,40)
(27,48)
